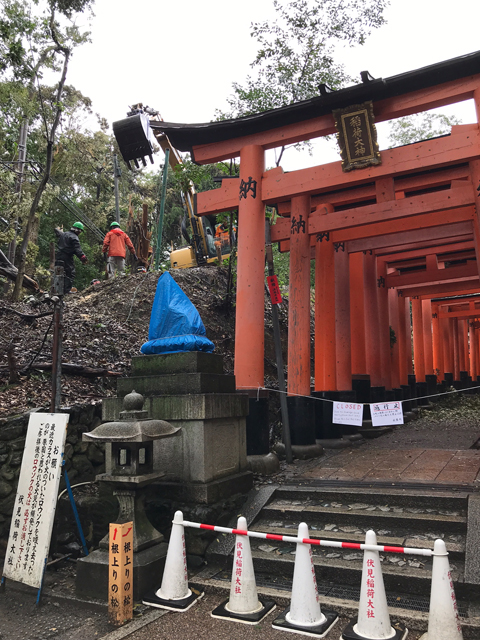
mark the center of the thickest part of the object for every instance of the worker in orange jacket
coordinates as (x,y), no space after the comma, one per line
(222,237)
(115,248)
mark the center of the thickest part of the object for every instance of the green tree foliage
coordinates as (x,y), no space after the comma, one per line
(422,126)
(36,38)
(297,49)
(296,54)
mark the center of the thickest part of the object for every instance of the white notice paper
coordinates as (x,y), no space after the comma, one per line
(347,413)
(34,510)
(386,413)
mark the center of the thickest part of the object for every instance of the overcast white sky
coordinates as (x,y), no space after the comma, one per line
(182,57)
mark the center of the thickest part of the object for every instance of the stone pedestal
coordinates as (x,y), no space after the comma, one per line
(92,572)
(189,390)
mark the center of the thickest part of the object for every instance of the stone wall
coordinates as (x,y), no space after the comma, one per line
(83,460)
(96,505)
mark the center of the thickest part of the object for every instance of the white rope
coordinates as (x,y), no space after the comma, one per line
(299,395)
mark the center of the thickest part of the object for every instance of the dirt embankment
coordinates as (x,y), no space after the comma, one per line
(104,326)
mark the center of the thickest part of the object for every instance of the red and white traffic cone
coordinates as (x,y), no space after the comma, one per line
(243,604)
(174,594)
(304,616)
(443,622)
(373,621)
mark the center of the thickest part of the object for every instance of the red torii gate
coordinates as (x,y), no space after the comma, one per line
(415,195)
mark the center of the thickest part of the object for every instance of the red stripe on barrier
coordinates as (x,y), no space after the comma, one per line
(310,541)
(394,549)
(273,536)
(240,532)
(210,527)
(351,545)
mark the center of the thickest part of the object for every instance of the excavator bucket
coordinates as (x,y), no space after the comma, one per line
(135,139)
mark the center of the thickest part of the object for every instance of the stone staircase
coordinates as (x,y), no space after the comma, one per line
(410,517)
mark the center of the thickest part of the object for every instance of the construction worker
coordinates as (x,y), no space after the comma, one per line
(222,237)
(68,245)
(114,247)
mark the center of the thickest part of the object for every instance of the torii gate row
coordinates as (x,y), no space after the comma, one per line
(438,209)
(359,206)
(449,342)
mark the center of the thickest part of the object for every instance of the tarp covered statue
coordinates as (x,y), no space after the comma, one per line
(175,324)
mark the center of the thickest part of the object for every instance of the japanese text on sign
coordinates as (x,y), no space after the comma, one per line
(34,510)
(120,573)
(237,586)
(274,289)
(386,413)
(370,588)
(245,187)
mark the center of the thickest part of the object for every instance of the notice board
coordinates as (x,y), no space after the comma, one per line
(34,510)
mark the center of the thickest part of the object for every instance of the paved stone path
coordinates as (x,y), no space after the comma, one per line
(405,465)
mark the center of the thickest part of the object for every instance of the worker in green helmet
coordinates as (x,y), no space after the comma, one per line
(68,245)
(115,248)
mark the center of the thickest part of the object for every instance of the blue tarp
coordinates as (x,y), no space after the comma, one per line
(175,324)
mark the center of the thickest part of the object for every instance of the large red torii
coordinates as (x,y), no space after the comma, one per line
(341,217)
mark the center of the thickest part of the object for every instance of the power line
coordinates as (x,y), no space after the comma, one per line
(35,170)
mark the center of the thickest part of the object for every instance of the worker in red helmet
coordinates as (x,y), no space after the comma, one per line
(115,248)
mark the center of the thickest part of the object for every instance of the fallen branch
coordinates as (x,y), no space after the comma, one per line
(67,367)
(28,317)
(10,271)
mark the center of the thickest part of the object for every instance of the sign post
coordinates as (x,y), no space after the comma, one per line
(120,573)
(36,500)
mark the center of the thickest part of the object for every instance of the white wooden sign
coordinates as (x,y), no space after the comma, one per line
(34,511)
(347,413)
(386,413)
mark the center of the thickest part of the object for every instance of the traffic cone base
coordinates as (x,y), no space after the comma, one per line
(400,632)
(254,617)
(172,604)
(317,631)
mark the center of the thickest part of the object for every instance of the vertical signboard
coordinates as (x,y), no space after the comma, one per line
(274,289)
(120,573)
(34,510)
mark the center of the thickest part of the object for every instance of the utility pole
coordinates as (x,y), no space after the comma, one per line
(162,208)
(57,298)
(278,352)
(117,173)
(22,156)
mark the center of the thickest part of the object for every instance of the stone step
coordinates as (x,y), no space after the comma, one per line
(376,520)
(455,543)
(342,571)
(399,518)
(423,500)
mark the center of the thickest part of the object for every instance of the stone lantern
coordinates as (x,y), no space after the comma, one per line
(129,470)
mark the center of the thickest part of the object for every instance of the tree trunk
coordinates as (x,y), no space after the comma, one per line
(43,183)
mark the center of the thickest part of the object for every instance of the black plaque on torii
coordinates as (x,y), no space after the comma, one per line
(357,136)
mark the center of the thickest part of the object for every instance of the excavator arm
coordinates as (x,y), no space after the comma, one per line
(136,135)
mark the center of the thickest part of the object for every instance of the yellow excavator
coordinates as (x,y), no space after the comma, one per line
(207,241)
